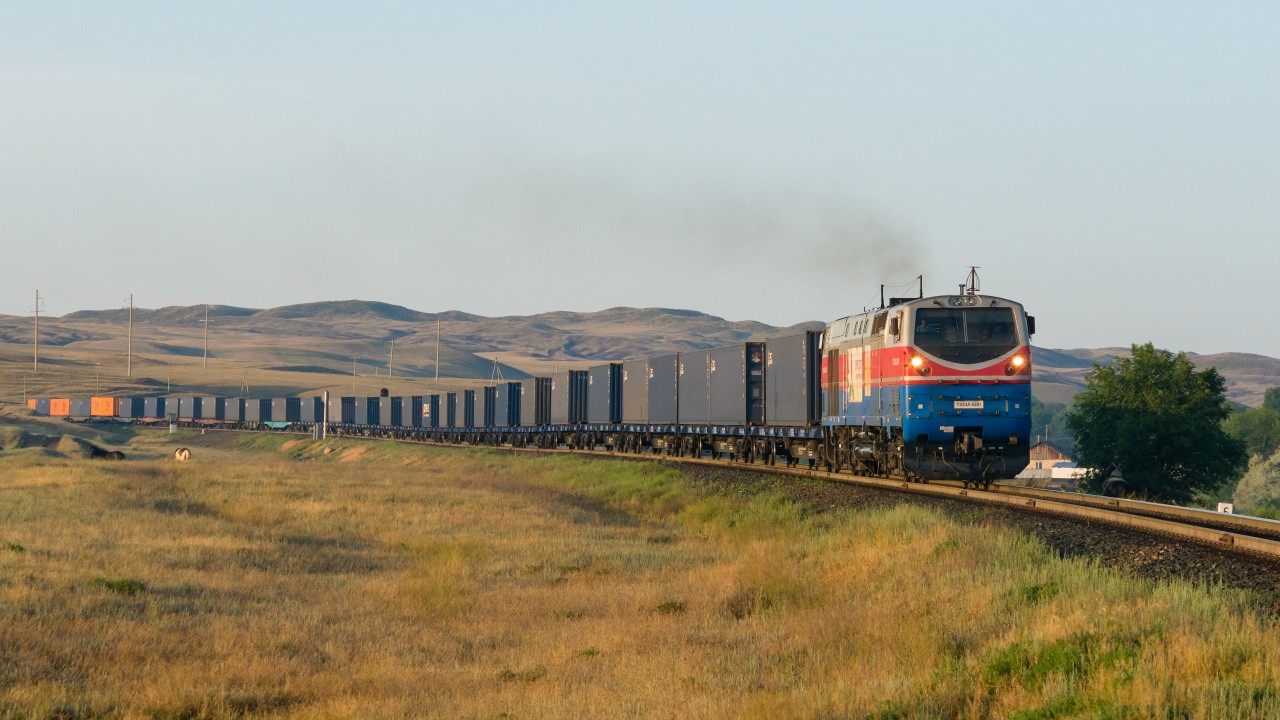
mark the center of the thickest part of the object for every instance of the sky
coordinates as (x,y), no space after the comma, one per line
(1113,166)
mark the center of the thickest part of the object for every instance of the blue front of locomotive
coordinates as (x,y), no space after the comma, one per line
(966,391)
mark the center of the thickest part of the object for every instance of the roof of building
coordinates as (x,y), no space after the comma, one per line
(1056,448)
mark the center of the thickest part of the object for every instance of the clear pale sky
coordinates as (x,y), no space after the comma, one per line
(1115,166)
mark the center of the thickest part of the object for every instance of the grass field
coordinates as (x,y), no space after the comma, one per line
(282,577)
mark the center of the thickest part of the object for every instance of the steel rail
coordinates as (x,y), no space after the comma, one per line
(1246,524)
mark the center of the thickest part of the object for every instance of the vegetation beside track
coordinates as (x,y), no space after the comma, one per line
(279,576)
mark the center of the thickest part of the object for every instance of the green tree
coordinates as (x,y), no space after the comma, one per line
(1049,422)
(1259,489)
(1257,428)
(1271,400)
(1160,420)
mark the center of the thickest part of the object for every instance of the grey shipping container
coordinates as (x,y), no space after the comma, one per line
(450,410)
(188,408)
(342,410)
(81,407)
(233,409)
(286,409)
(384,411)
(42,406)
(569,397)
(153,407)
(635,391)
(311,409)
(257,410)
(506,406)
(695,387)
(361,411)
(604,393)
(535,401)
(129,407)
(737,384)
(793,379)
(211,408)
(664,388)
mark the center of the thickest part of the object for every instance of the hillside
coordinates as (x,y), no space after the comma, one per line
(317,330)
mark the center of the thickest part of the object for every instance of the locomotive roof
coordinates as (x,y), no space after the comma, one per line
(860,325)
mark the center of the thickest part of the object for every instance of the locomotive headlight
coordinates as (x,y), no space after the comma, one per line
(917,363)
(1015,364)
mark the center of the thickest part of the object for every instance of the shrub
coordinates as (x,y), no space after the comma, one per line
(124,586)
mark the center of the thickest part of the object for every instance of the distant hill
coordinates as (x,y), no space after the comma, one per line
(612,334)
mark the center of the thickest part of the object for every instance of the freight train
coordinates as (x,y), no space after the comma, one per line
(920,388)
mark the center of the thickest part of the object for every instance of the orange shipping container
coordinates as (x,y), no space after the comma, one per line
(31,403)
(103,406)
(59,407)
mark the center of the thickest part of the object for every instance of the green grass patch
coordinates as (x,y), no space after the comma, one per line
(1029,664)
(123,586)
(672,607)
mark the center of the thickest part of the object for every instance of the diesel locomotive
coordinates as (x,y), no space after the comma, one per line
(919,388)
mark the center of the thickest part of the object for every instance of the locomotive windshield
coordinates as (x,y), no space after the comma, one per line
(966,335)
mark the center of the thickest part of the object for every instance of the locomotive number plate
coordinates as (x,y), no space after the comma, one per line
(968,404)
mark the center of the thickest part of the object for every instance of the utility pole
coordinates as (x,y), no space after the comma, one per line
(324,426)
(129,350)
(437,350)
(206,336)
(353,374)
(391,363)
(35,340)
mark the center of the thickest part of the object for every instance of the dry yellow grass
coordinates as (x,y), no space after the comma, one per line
(268,578)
